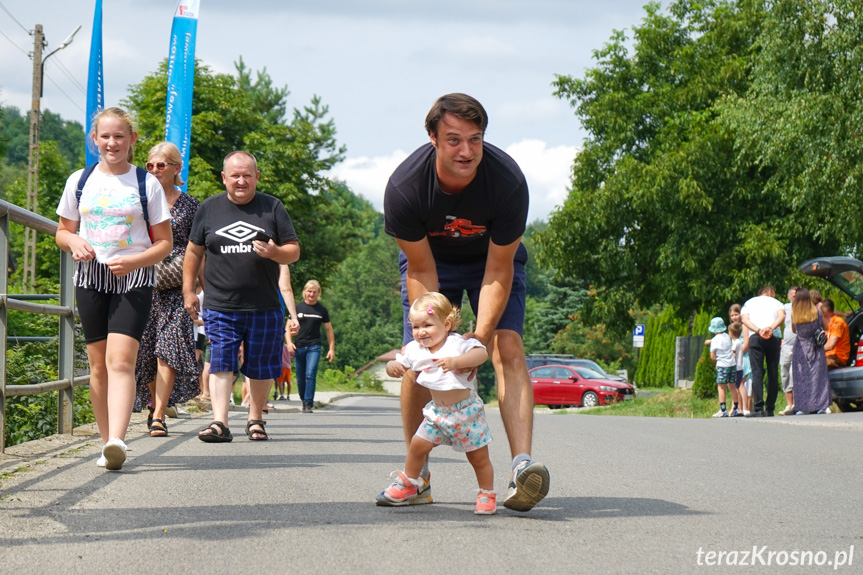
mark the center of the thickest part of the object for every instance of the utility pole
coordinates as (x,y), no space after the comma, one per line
(33,162)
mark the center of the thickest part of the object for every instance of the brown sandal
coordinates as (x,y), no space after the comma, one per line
(158,428)
(253,432)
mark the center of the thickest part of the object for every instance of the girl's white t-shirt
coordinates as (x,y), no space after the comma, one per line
(420,359)
(109,215)
(721,344)
(737,349)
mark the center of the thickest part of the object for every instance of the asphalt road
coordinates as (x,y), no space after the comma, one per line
(628,495)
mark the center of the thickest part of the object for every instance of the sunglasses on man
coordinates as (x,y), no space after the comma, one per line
(160,165)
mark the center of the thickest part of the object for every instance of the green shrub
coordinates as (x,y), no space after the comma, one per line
(31,417)
(704,386)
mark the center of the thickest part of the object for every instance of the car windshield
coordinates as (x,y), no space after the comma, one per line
(851,281)
(591,365)
(588,373)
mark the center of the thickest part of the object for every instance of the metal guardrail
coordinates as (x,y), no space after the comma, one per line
(66,312)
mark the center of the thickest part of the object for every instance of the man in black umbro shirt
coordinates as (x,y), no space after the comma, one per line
(245,235)
(457,207)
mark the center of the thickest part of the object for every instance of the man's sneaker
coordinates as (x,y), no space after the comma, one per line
(735,413)
(401,492)
(527,486)
(720,413)
(486,503)
(114,453)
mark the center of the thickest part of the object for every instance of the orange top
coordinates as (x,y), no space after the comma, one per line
(837,327)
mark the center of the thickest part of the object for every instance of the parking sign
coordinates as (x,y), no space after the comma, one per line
(638,335)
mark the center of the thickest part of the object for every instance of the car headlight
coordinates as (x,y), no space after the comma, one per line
(608,388)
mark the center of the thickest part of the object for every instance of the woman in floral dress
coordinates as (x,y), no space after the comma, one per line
(811,384)
(167,372)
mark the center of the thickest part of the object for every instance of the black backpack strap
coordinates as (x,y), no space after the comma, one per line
(142,192)
(83,180)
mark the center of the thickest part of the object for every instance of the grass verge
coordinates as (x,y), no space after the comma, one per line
(668,402)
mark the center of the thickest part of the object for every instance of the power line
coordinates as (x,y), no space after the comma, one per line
(11,41)
(13,18)
(68,74)
(74,103)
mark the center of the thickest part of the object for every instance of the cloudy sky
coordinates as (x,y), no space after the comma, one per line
(377,64)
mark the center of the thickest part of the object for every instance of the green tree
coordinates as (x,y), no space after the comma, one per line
(15,136)
(799,124)
(365,304)
(294,156)
(53,173)
(662,210)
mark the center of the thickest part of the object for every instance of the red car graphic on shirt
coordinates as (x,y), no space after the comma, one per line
(458,227)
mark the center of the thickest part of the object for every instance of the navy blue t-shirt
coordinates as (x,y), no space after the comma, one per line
(493,207)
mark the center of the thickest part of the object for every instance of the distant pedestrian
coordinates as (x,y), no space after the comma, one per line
(722,352)
(312,315)
(763,315)
(785,355)
(811,383)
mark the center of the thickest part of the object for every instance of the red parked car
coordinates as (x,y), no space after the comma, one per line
(558,385)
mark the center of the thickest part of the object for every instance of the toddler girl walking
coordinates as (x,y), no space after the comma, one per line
(456,415)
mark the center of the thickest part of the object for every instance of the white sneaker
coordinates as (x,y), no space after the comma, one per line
(101,462)
(528,484)
(177,412)
(720,413)
(114,453)
(746,412)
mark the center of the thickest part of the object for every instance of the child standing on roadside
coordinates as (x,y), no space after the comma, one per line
(455,416)
(722,353)
(734,332)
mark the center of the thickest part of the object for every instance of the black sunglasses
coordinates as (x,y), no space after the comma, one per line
(160,165)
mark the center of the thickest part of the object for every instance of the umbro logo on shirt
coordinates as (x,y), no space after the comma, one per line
(238,232)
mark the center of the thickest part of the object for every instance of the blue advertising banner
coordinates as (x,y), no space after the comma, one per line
(181,80)
(95,85)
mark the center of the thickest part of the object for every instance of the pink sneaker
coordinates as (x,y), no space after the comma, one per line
(401,492)
(486,503)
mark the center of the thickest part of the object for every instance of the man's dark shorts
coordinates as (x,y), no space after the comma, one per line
(456,278)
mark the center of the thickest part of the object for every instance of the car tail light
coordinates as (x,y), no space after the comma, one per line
(859,361)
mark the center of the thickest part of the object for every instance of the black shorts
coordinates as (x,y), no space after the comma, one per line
(103,313)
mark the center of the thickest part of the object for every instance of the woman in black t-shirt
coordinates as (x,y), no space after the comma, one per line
(311,315)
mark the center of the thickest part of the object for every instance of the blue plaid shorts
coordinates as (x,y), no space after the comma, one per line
(260,332)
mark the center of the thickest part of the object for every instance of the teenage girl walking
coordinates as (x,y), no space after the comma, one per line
(107,234)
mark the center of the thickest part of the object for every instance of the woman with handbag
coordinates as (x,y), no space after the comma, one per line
(811,384)
(167,372)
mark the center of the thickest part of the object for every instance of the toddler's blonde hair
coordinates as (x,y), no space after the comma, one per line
(440,306)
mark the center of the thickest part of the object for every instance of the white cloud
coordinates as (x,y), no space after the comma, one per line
(548,172)
(368,177)
(547,169)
